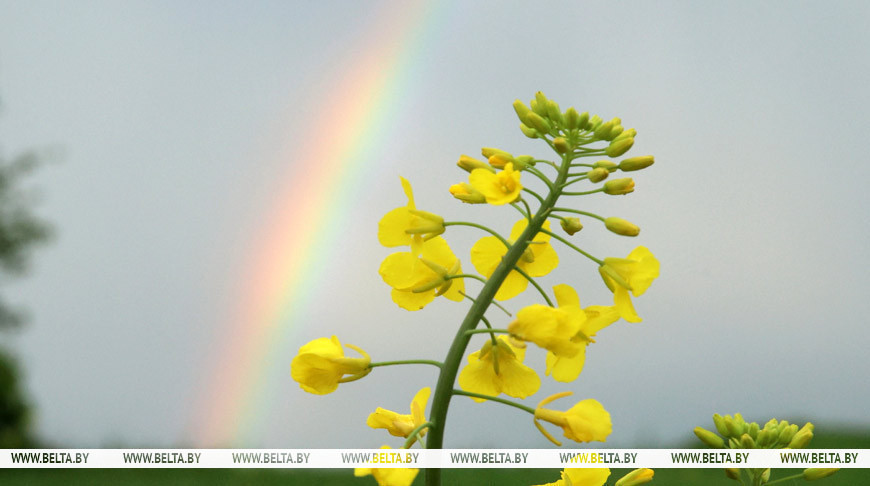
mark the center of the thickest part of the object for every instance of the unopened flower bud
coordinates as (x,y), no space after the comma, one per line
(765,476)
(732,473)
(571,225)
(616,187)
(467,193)
(630,133)
(746,442)
(561,145)
(621,226)
(709,438)
(813,473)
(802,437)
(584,120)
(594,122)
(753,430)
(636,477)
(523,161)
(572,119)
(787,434)
(615,131)
(489,152)
(734,429)
(554,113)
(468,164)
(636,163)
(598,175)
(499,161)
(528,131)
(606,164)
(619,147)
(719,422)
(765,438)
(537,122)
(541,102)
(603,131)
(521,109)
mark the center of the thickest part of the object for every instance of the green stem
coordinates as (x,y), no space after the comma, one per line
(577,211)
(532,281)
(479,226)
(495,399)
(414,436)
(447,377)
(528,208)
(601,189)
(466,275)
(577,179)
(488,329)
(484,331)
(541,176)
(787,478)
(407,361)
(573,247)
(535,194)
(494,303)
(518,208)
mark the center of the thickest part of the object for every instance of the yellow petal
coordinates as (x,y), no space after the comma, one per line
(437,250)
(513,285)
(401,270)
(418,406)
(566,295)
(546,260)
(588,421)
(517,380)
(518,228)
(396,476)
(646,271)
(315,374)
(624,306)
(587,476)
(327,347)
(412,301)
(566,369)
(597,318)
(478,376)
(386,419)
(406,186)
(486,254)
(391,228)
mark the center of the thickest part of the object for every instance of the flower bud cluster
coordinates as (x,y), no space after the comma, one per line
(543,118)
(739,434)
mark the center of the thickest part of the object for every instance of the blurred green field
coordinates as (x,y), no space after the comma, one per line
(335,477)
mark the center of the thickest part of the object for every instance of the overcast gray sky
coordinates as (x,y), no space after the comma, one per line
(178,121)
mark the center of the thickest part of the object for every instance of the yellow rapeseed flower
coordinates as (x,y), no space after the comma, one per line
(551,328)
(566,368)
(496,369)
(584,422)
(591,476)
(408,225)
(400,425)
(538,260)
(417,280)
(501,188)
(321,365)
(388,476)
(635,273)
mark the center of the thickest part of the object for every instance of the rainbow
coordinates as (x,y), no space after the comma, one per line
(354,119)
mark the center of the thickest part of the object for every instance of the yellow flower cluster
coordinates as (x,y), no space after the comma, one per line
(424,267)
(427,270)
